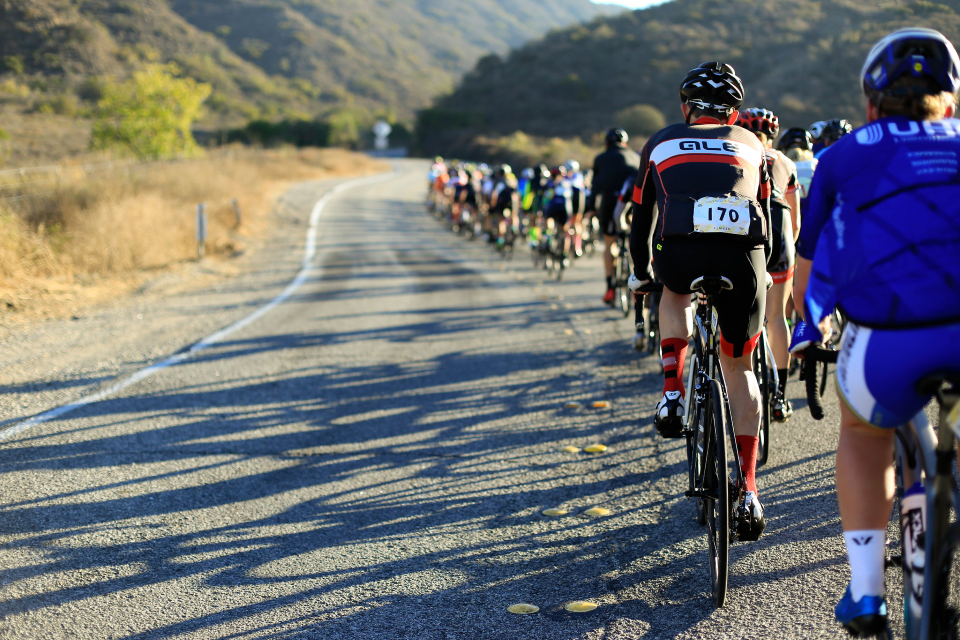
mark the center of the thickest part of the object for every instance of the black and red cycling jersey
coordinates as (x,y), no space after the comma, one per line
(683,164)
(783,174)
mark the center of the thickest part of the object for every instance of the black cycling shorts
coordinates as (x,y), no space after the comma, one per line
(557,211)
(608,202)
(783,257)
(679,261)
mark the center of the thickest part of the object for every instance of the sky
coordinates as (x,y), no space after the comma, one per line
(633,4)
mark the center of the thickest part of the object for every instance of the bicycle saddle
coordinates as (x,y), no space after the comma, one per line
(929,385)
(711,285)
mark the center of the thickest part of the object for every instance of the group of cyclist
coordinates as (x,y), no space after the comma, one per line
(803,223)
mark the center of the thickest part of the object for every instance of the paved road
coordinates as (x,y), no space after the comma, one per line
(371,459)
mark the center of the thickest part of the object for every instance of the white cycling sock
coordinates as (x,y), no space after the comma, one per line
(866,551)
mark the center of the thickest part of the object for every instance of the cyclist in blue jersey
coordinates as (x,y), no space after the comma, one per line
(880,241)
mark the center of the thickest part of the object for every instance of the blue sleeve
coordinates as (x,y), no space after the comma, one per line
(819,207)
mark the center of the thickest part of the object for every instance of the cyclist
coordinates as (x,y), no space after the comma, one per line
(558,210)
(702,163)
(833,130)
(816,130)
(610,169)
(880,241)
(784,213)
(578,183)
(797,144)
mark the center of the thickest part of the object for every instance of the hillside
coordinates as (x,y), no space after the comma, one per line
(799,57)
(265,58)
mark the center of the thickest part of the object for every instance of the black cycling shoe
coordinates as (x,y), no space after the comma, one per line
(669,416)
(750,521)
(782,410)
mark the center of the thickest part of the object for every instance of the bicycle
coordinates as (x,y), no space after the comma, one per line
(765,369)
(622,271)
(924,460)
(715,478)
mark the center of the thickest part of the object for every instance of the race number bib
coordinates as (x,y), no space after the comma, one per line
(722,215)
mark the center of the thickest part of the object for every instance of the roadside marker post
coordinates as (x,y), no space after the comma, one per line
(201,228)
(236,212)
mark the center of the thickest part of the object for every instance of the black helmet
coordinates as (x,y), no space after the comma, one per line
(617,136)
(795,137)
(835,129)
(713,86)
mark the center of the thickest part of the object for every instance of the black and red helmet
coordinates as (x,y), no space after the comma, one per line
(795,137)
(714,86)
(760,121)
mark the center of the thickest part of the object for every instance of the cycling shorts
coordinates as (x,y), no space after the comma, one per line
(608,202)
(783,257)
(679,261)
(557,211)
(878,369)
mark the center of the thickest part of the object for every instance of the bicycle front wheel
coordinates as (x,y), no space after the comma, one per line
(623,276)
(716,484)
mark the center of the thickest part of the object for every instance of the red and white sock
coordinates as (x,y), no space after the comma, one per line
(747,447)
(673,353)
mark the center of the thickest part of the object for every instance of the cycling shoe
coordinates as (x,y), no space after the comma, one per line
(867,617)
(669,416)
(751,524)
(782,410)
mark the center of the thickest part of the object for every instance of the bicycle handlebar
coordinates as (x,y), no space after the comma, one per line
(813,355)
(651,287)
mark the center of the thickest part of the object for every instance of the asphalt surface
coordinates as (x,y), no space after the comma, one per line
(370,459)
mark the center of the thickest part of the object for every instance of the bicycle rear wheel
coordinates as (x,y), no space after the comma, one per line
(717,506)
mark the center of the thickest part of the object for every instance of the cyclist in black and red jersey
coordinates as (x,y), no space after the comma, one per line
(686,170)
(785,215)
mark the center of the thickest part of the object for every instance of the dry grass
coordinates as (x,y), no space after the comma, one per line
(97,237)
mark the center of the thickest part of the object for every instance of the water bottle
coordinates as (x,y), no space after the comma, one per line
(913,521)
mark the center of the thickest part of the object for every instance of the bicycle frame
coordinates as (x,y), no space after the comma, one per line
(706,344)
(921,455)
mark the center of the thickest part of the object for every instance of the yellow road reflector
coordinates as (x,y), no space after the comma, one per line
(569,332)
(570,449)
(953,418)
(555,512)
(597,511)
(601,404)
(523,608)
(581,606)
(572,405)
(587,331)
(596,448)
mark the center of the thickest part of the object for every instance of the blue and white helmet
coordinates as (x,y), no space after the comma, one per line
(917,51)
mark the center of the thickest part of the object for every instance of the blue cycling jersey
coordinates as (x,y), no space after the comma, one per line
(883,225)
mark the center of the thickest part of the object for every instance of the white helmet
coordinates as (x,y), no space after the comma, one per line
(572,166)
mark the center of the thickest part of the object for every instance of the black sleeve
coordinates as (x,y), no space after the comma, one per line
(641,231)
(591,204)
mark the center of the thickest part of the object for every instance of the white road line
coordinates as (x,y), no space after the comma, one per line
(306,267)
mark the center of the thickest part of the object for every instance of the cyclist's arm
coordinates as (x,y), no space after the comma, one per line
(642,229)
(819,206)
(763,197)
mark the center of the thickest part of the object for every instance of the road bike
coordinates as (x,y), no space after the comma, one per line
(622,271)
(926,493)
(765,369)
(715,477)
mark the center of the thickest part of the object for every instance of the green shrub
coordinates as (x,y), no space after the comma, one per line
(150,114)
(640,120)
